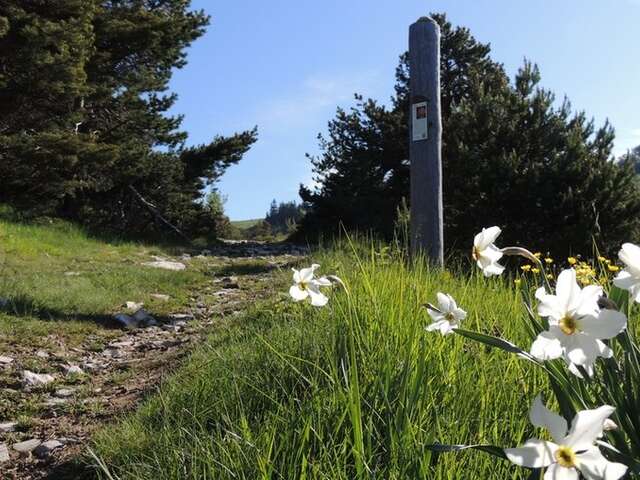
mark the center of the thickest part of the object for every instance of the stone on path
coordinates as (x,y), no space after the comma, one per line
(133,306)
(160,296)
(166,265)
(4,453)
(144,319)
(72,370)
(7,427)
(32,379)
(28,446)
(46,448)
(65,392)
(125,320)
(5,360)
(181,317)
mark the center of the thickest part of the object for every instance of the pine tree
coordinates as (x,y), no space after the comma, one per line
(510,158)
(84,129)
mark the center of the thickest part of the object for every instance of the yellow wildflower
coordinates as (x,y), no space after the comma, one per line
(602,259)
(525,268)
(572,260)
(550,276)
(517,282)
(537,254)
(613,268)
(548,260)
(535,270)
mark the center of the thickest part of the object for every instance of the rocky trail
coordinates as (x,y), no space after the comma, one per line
(111,371)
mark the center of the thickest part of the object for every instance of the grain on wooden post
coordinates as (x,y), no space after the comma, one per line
(425,151)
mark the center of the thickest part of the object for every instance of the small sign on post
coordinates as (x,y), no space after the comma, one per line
(419,119)
(425,150)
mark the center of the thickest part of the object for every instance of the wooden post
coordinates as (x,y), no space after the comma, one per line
(425,130)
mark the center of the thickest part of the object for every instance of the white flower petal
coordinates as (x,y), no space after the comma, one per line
(608,324)
(298,293)
(558,472)
(446,328)
(492,269)
(296,276)
(630,255)
(587,301)
(436,316)
(567,289)
(306,274)
(444,302)
(586,427)
(435,326)
(533,454)
(491,253)
(318,299)
(459,314)
(322,282)
(594,466)
(546,347)
(581,348)
(626,281)
(541,416)
(486,237)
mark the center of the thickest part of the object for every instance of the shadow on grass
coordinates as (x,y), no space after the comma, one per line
(24,306)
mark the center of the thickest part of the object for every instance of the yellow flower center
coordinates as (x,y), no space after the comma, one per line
(475,253)
(568,325)
(303,285)
(449,317)
(565,457)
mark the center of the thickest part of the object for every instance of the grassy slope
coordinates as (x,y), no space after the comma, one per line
(351,391)
(244,224)
(35,267)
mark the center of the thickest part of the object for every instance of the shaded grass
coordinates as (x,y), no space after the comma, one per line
(355,390)
(56,278)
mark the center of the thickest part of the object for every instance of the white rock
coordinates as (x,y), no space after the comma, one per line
(160,296)
(8,427)
(4,453)
(36,379)
(123,344)
(55,402)
(28,446)
(72,370)
(134,306)
(46,448)
(5,360)
(42,354)
(166,265)
(181,317)
(64,392)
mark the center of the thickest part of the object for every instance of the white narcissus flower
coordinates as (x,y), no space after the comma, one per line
(485,253)
(570,453)
(306,285)
(447,316)
(629,278)
(577,325)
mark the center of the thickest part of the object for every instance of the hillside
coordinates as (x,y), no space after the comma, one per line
(67,366)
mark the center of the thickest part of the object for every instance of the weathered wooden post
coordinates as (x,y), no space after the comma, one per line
(425,151)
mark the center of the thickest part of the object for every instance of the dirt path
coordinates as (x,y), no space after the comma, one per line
(113,370)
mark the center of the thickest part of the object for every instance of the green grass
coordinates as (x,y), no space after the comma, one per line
(354,390)
(244,224)
(59,280)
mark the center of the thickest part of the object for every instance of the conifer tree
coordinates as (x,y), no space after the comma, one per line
(84,129)
(510,158)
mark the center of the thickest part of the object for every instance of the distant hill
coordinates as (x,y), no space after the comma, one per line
(244,224)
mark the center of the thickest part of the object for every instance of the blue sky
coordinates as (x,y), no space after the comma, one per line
(285,65)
